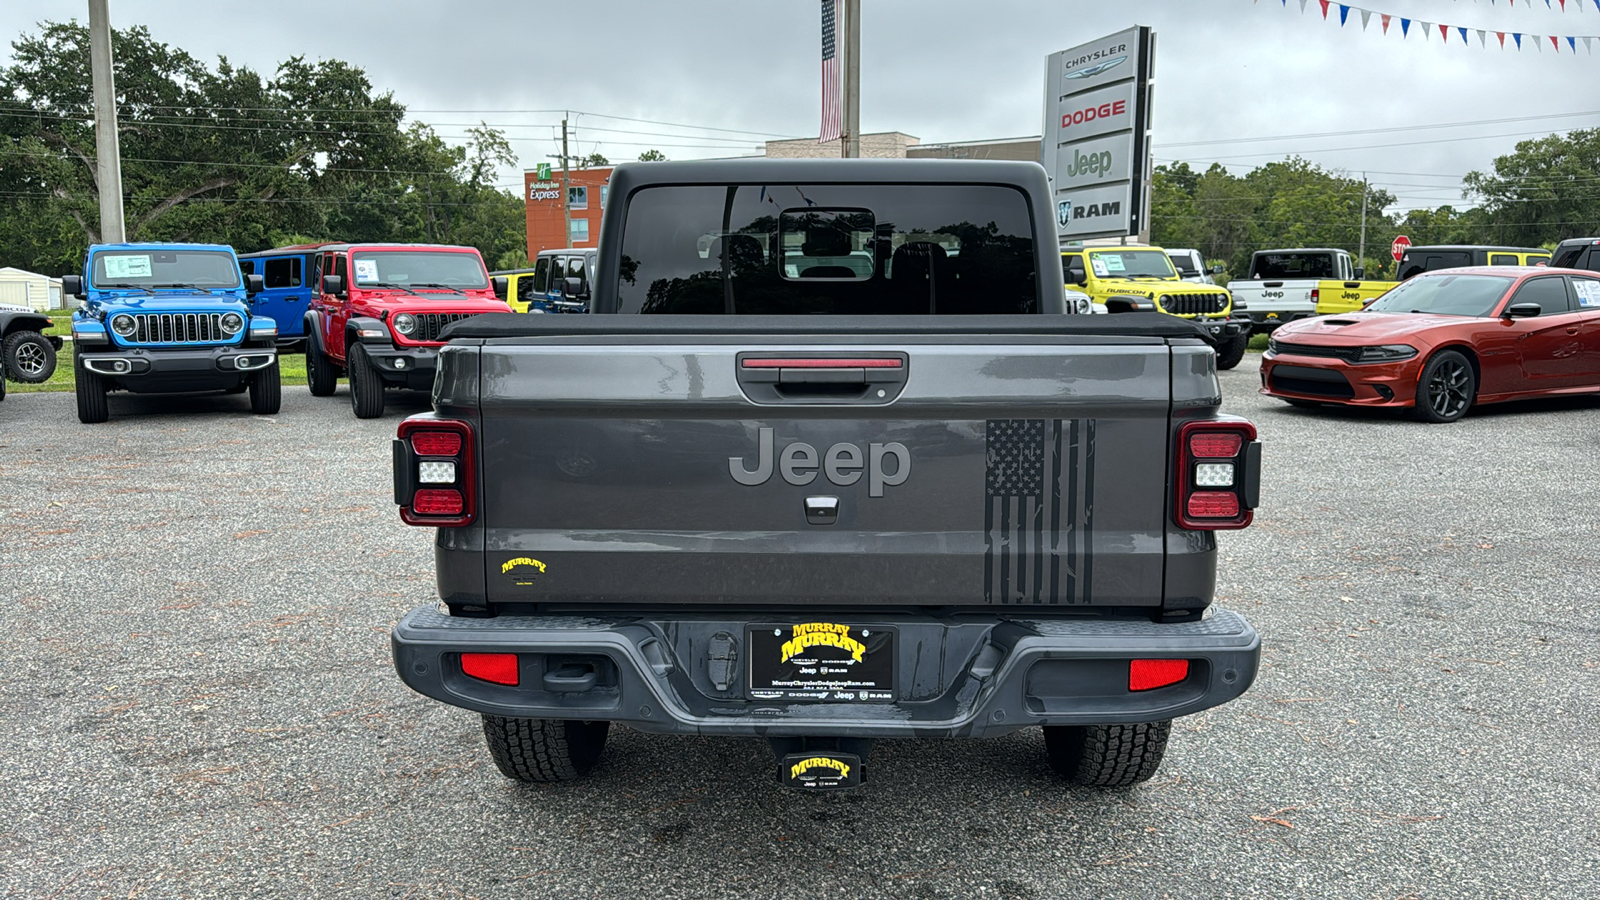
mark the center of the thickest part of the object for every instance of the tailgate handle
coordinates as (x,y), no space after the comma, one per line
(814,378)
(1272,284)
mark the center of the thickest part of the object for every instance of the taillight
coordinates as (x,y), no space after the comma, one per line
(433,472)
(499,668)
(1219,474)
(1316,294)
(1149,674)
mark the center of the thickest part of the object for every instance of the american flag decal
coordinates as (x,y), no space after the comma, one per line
(1038,510)
(832,98)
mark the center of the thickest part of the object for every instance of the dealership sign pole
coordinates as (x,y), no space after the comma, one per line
(1097,135)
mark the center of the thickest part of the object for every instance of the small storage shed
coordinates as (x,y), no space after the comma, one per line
(22,288)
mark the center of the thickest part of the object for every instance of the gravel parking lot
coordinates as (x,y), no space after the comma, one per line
(197,698)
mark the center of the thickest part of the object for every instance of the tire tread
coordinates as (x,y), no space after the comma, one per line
(544,750)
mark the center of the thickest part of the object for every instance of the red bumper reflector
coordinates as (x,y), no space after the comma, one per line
(1149,674)
(1213,505)
(436,443)
(438,502)
(500,668)
(1215,444)
(820,363)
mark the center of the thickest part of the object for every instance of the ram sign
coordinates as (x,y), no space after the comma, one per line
(1096,134)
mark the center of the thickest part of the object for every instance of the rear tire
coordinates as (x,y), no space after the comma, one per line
(1107,755)
(266,391)
(544,750)
(91,391)
(1446,388)
(30,358)
(321,373)
(1230,352)
(366,385)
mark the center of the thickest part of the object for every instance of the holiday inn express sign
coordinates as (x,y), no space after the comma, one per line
(1096,128)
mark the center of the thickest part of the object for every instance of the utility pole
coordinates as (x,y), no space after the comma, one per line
(1361,250)
(566,184)
(108,156)
(851,145)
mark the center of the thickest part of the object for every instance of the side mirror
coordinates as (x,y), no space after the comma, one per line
(253,285)
(1522,311)
(1076,275)
(1216,269)
(572,286)
(333,284)
(499,284)
(1360,273)
(72,285)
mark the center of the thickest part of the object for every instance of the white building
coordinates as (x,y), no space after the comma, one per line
(30,289)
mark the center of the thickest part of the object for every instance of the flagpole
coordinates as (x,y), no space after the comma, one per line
(851,23)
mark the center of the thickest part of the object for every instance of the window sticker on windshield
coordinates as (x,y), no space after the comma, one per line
(366,270)
(1099,265)
(127,267)
(1588,292)
(1115,263)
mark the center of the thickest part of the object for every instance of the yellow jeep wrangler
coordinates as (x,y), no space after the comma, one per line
(1125,279)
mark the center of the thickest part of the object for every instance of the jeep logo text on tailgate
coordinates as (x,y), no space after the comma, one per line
(798,463)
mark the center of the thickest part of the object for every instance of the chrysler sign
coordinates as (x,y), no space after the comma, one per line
(1096,131)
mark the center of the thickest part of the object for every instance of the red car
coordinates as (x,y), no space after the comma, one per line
(377,309)
(1446,340)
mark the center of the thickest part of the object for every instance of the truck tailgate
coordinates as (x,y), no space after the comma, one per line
(670,470)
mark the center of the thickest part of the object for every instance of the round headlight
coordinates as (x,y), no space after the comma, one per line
(232,323)
(122,324)
(405,323)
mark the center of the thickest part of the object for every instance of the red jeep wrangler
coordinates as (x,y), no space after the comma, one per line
(377,309)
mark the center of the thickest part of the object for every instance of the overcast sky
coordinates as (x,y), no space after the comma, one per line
(1243,71)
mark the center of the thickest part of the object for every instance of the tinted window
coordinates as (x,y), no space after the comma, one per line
(1568,257)
(541,275)
(1185,265)
(525,287)
(1292,265)
(747,249)
(1417,262)
(1587,291)
(283,273)
(339,269)
(1445,295)
(1502,259)
(247,266)
(575,270)
(1549,293)
(438,268)
(1591,261)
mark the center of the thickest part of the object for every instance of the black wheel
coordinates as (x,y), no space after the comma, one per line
(1446,388)
(321,373)
(544,749)
(1107,755)
(266,391)
(366,385)
(1231,351)
(29,357)
(1302,404)
(91,391)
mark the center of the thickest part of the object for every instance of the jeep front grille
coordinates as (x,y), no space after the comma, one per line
(430,324)
(177,328)
(1194,304)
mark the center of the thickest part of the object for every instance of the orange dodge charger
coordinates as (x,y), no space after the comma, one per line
(1446,340)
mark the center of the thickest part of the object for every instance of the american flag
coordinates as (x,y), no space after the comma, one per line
(1031,555)
(832,102)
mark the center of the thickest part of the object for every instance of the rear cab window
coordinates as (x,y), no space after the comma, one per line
(783,249)
(1287,266)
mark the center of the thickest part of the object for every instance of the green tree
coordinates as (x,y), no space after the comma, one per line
(1547,190)
(652,156)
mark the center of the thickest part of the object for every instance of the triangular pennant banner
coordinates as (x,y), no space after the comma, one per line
(1463,34)
(1405,28)
(1324,7)
(1302,7)
(1444,33)
(1384,17)
(1344,13)
(1483,38)
(1571,43)
(1588,46)
(1427,27)
(1517,36)
(1502,36)
(1366,16)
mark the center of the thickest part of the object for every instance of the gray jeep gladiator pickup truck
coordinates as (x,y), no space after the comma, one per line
(830,465)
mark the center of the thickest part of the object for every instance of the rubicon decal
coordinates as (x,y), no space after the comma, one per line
(886,464)
(823,634)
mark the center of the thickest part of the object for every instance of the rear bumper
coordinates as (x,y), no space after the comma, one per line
(956,676)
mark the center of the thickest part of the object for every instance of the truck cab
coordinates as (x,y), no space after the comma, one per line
(160,318)
(376,312)
(1141,278)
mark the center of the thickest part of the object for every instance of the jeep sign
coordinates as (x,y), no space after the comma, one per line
(1096,131)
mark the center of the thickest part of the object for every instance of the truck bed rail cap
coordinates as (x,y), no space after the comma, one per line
(516,325)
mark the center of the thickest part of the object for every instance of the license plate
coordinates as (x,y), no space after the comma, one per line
(832,661)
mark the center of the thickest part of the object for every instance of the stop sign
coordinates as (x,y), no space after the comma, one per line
(1398,248)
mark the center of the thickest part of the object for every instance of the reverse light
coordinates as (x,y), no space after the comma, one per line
(1212,475)
(1149,674)
(436,472)
(497,668)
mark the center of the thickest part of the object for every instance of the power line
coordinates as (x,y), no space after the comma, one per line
(1397,128)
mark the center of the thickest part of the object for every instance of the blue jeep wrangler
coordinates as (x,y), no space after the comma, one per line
(162,318)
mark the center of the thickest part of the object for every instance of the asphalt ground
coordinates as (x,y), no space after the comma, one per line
(197,700)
